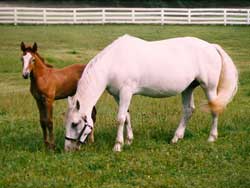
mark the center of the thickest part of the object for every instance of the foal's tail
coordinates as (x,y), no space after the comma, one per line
(228,83)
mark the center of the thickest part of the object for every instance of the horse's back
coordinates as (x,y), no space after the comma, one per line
(168,65)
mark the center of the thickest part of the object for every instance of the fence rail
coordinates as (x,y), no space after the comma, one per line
(22,15)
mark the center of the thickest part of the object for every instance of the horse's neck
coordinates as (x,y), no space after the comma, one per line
(91,86)
(95,79)
(39,68)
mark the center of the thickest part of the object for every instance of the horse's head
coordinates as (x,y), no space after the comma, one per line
(78,125)
(28,59)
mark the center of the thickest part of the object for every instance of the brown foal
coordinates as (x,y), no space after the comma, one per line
(49,84)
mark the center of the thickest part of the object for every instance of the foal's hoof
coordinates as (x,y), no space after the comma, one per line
(117,147)
(212,138)
(51,147)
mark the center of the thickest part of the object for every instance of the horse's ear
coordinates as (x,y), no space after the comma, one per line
(22,46)
(34,48)
(70,101)
(77,105)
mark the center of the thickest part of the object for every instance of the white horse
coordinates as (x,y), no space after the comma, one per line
(131,66)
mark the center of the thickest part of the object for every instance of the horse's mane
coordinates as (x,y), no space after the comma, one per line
(88,79)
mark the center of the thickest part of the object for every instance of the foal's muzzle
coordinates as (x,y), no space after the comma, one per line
(26,75)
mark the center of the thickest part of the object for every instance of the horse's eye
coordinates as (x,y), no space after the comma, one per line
(73,125)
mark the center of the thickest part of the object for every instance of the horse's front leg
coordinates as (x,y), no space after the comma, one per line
(188,108)
(130,135)
(124,101)
(91,138)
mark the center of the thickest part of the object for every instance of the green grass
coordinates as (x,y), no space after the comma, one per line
(150,161)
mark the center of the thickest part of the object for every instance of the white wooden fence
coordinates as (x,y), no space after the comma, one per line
(22,15)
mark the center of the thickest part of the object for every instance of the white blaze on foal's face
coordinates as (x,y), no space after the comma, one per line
(27,60)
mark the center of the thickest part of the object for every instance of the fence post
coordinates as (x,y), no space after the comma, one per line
(162,16)
(44,16)
(189,16)
(15,16)
(225,17)
(74,15)
(248,19)
(133,15)
(103,16)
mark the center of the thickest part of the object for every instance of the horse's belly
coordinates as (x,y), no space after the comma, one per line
(156,93)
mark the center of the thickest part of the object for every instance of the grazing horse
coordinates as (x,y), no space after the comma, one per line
(49,84)
(131,66)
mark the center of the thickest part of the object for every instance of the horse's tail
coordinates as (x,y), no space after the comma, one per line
(228,83)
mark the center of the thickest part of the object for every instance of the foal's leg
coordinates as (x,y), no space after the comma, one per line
(91,138)
(124,101)
(49,121)
(42,113)
(188,108)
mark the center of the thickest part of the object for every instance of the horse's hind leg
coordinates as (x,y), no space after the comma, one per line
(188,108)
(214,130)
(211,95)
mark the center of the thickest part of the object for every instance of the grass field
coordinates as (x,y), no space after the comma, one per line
(151,161)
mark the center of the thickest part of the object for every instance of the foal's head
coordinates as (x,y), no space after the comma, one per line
(28,59)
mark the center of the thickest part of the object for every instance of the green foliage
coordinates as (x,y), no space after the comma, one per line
(151,161)
(135,3)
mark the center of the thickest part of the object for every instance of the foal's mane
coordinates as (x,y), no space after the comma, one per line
(43,61)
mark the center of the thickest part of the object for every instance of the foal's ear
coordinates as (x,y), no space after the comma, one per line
(77,105)
(34,48)
(22,46)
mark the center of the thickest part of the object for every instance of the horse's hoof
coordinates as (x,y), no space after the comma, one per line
(175,140)
(128,141)
(212,138)
(117,147)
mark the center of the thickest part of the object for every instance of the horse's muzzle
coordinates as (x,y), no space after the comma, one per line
(70,146)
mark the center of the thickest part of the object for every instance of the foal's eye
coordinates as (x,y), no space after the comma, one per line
(73,125)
